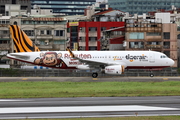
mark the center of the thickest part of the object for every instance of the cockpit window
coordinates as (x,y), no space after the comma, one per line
(163,56)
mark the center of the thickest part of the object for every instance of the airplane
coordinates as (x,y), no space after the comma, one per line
(108,62)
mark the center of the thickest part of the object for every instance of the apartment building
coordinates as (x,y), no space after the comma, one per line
(4,38)
(156,34)
(48,33)
(88,35)
(25,5)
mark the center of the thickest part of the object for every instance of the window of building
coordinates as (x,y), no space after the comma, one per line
(92,39)
(39,2)
(136,45)
(153,34)
(82,29)
(92,48)
(166,35)
(93,29)
(153,25)
(42,42)
(3,42)
(44,22)
(166,45)
(74,39)
(59,32)
(74,29)
(178,36)
(153,43)
(68,30)
(82,39)
(103,28)
(49,32)
(5,32)
(136,35)
(29,32)
(42,32)
(82,48)
(167,53)
(59,42)
(178,28)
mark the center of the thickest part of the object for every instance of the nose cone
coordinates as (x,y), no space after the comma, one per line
(171,62)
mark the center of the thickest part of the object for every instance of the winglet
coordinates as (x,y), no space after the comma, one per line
(71,53)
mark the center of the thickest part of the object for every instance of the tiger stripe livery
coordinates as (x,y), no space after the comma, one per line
(22,43)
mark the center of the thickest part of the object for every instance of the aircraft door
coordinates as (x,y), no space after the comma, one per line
(151,57)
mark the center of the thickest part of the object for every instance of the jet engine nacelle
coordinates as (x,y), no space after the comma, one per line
(114,69)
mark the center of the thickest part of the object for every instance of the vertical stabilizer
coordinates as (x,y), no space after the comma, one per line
(22,43)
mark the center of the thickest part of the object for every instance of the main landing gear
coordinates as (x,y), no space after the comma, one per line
(151,75)
(94,75)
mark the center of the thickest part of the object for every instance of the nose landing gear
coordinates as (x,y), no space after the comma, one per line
(151,74)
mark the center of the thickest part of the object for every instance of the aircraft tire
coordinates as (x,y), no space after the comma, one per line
(94,75)
(151,75)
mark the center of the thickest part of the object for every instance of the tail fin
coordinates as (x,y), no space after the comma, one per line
(22,43)
(71,53)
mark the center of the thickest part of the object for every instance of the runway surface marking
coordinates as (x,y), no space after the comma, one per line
(82,109)
(7,100)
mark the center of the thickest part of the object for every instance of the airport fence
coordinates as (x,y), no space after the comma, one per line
(80,73)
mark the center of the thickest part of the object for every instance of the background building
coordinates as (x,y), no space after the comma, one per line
(48,33)
(88,35)
(4,38)
(24,5)
(156,33)
(142,6)
(68,7)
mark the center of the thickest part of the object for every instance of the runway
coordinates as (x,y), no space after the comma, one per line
(90,79)
(89,107)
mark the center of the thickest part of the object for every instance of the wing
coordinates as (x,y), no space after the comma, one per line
(92,63)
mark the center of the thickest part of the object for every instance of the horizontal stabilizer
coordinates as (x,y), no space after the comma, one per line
(14,55)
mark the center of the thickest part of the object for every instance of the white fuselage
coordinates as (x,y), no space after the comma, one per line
(129,59)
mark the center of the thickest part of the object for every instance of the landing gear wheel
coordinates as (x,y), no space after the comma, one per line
(151,75)
(94,75)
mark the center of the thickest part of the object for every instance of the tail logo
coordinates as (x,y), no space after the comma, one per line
(22,42)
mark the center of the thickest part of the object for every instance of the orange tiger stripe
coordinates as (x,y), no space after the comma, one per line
(21,41)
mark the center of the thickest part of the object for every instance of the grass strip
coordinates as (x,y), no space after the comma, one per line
(49,89)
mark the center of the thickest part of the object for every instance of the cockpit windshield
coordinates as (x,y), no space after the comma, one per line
(164,56)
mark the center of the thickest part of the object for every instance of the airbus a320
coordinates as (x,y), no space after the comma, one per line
(109,62)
